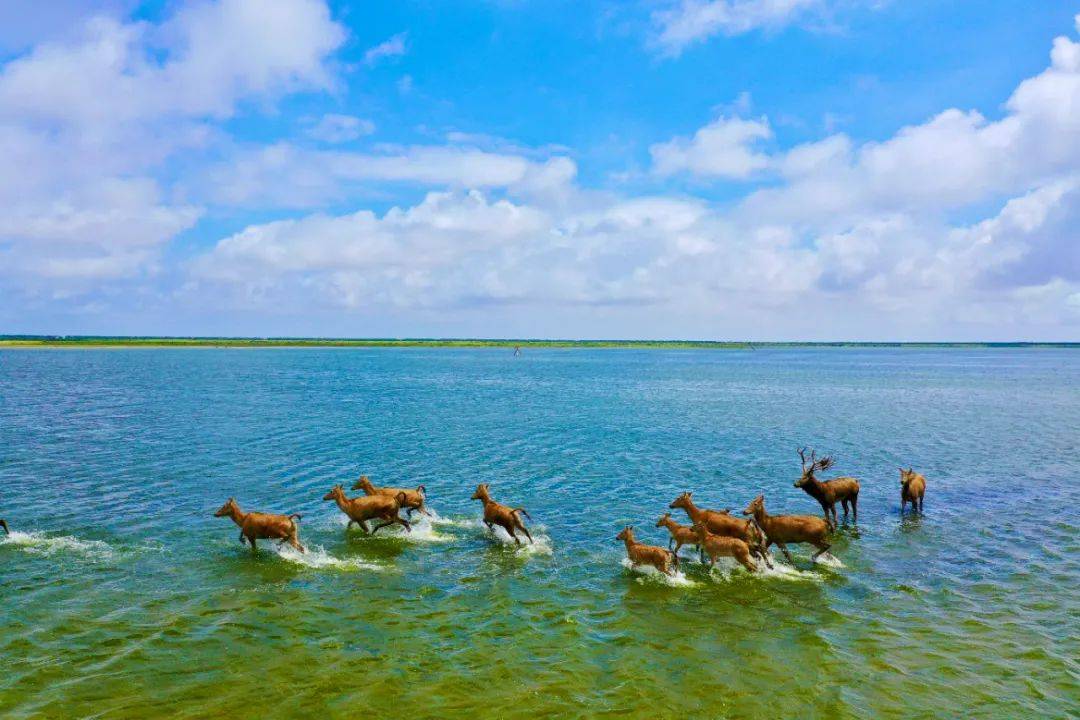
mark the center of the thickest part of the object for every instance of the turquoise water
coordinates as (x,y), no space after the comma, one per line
(123,596)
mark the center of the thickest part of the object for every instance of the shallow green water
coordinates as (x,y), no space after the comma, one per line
(124,598)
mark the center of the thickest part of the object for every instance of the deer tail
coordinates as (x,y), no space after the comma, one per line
(522,511)
(295,515)
(422,490)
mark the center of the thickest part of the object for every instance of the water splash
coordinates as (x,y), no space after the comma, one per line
(423,530)
(37,543)
(317,558)
(649,574)
(828,560)
(541,544)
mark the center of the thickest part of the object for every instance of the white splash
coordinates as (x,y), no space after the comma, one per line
(541,544)
(423,530)
(828,560)
(316,557)
(38,543)
(648,573)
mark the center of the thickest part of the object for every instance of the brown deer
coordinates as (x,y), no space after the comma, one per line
(368,507)
(721,546)
(680,534)
(663,560)
(267,526)
(3,524)
(502,515)
(842,489)
(414,499)
(722,523)
(912,489)
(784,529)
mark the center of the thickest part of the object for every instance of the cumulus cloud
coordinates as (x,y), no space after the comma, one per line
(691,21)
(866,238)
(725,148)
(87,118)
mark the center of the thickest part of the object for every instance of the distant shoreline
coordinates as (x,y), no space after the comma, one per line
(30,342)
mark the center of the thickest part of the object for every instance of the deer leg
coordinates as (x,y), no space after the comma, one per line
(252,541)
(521,526)
(363,526)
(821,551)
(295,542)
(510,529)
(381,525)
(404,523)
(855,509)
(784,549)
(242,538)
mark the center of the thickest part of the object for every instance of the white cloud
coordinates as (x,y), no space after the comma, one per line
(692,21)
(861,237)
(88,117)
(392,47)
(334,128)
(723,148)
(284,175)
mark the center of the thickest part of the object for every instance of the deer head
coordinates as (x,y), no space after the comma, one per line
(481,493)
(626,534)
(335,492)
(683,501)
(229,508)
(363,484)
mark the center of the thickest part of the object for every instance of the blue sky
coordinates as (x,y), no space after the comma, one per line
(761,169)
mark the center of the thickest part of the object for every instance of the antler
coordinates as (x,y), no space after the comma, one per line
(823,464)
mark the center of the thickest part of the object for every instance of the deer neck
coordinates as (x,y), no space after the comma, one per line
(237,515)
(814,487)
(695,513)
(342,502)
(760,516)
(630,542)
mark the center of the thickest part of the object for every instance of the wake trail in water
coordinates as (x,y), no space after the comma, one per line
(37,543)
(317,558)
(649,574)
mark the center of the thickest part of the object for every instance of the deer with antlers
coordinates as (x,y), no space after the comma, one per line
(844,490)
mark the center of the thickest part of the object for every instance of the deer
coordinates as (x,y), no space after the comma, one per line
(716,546)
(368,507)
(666,561)
(262,526)
(504,516)
(912,489)
(842,489)
(680,534)
(414,499)
(722,523)
(784,529)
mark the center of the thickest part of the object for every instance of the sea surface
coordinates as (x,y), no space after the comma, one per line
(121,596)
